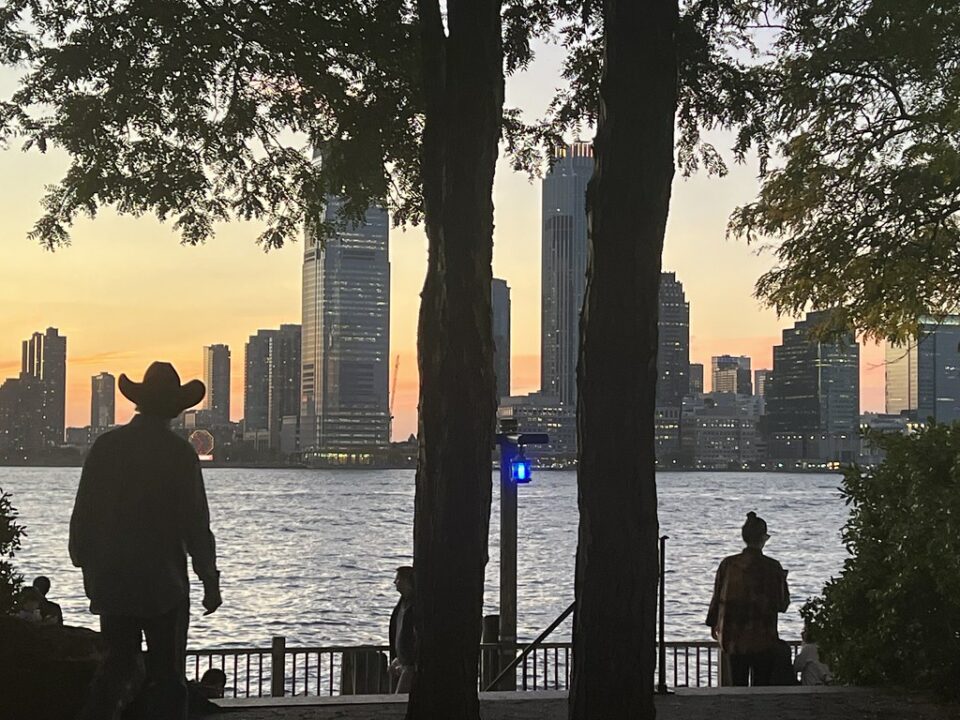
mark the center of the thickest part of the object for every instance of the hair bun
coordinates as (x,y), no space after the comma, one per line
(751,515)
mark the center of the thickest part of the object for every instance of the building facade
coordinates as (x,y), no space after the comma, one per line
(537,412)
(760,382)
(103,398)
(44,358)
(673,356)
(500,302)
(344,394)
(720,431)
(563,269)
(24,427)
(696,379)
(731,374)
(216,376)
(813,396)
(923,378)
(271,381)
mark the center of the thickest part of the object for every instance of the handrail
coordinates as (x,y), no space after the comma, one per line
(531,647)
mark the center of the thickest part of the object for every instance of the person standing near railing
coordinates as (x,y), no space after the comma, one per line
(402,637)
(141,507)
(750,589)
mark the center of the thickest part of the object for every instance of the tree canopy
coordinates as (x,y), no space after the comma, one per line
(862,211)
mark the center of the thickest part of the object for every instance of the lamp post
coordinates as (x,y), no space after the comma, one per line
(514,469)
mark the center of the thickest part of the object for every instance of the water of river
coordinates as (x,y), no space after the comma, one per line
(310,554)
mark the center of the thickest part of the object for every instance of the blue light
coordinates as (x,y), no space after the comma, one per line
(520,470)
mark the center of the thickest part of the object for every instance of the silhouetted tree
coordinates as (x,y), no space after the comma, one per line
(184,108)
(635,69)
(10,533)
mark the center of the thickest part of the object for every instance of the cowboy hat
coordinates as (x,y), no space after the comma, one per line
(161,393)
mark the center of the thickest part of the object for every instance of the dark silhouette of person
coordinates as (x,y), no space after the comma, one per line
(50,612)
(749,591)
(402,634)
(141,507)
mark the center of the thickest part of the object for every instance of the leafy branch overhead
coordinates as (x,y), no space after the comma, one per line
(862,214)
(200,111)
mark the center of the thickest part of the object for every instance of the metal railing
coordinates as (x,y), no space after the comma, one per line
(327,671)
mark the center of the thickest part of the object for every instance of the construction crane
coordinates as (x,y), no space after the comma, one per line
(393,394)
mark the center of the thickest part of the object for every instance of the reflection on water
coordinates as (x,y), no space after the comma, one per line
(310,554)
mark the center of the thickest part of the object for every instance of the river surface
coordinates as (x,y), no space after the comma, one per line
(310,554)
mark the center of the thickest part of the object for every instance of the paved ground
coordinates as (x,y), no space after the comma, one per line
(725,704)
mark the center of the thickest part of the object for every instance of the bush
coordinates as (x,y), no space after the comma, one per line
(10,534)
(892,617)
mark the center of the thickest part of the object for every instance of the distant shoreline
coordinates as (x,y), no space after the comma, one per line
(277,466)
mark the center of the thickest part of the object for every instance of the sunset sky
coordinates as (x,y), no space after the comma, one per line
(126,292)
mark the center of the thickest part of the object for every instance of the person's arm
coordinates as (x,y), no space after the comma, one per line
(713,613)
(199,539)
(81,520)
(784,591)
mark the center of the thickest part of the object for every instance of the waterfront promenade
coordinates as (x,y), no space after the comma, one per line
(826,703)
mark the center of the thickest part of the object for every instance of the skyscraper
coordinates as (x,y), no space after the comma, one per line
(813,397)
(500,301)
(44,358)
(216,376)
(731,374)
(563,268)
(760,379)
(673,357)
(344,395)
(271,380)
(24,431)
(696,378)
(923,378)
(102,401)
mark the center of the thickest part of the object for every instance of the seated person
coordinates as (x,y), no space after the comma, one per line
(50,612)
(807,662)
(211,685)
(28,606)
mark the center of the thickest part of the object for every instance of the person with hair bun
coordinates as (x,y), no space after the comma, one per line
(750,589)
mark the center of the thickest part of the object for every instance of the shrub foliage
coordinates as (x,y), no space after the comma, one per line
(10,533)
(892,617)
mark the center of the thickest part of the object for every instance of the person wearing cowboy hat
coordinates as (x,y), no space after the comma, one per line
(140,508)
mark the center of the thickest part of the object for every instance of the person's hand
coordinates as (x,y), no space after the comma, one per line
(211,599)
(714,634)
(395,666)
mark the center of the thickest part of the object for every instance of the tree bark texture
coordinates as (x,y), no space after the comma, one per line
(463,86)
(628,198)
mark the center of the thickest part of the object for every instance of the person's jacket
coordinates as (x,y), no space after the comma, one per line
(750,589)
(140,508)
(402,637)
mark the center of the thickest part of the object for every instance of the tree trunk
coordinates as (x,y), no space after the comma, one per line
(463,86)
(627,202)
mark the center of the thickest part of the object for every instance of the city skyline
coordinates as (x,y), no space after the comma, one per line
(120,319)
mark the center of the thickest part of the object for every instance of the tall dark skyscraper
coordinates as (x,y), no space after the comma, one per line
(44,358)
(500,301)
(673,358)
(271,380)
(344,396)
(696,378)
(563,269)
(216,376)
(923,378)
(103,398)
(813,397)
